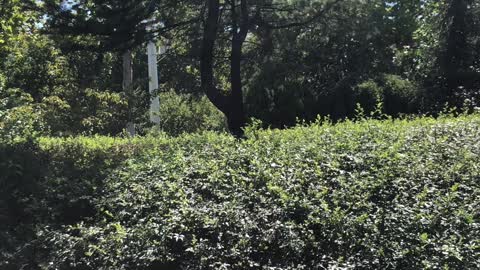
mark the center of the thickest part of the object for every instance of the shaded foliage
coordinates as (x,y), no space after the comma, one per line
(372,194)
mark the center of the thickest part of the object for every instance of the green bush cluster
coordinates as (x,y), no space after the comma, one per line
(19,118)
(368,195)
(53,182)
(185,113)
(288,100)
(37,82)
(98,113)
(395,95)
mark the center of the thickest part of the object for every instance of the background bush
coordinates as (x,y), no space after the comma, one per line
(20,119)
(401,95)
(371,195)
(368,95)
(184,113)
(397,96)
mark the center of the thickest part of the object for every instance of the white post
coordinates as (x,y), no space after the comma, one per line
(153,82)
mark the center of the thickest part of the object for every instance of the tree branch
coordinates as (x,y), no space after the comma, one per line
(307,21)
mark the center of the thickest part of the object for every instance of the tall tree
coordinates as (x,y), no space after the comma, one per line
(105,26)
(234,20)
(112,25)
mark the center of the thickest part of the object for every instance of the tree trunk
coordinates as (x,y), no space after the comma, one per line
(237,121)
(236,114)
(230,104)
(206,58)
(455,58)
(127,86)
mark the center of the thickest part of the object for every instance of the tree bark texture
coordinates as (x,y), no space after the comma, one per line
(231,102)
(127,86)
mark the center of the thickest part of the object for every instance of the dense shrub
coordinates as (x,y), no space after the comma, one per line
(105,112)
(401,95)
(51,181)
(20,119)
(397,95)
(370,195)
(183,113)
(19,172)
(368,95)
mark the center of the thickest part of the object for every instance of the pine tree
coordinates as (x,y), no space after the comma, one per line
(111,25)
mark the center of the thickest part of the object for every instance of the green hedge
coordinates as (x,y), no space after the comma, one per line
(52,182)
(368,195)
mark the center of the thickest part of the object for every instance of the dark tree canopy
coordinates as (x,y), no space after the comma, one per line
(279,61)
